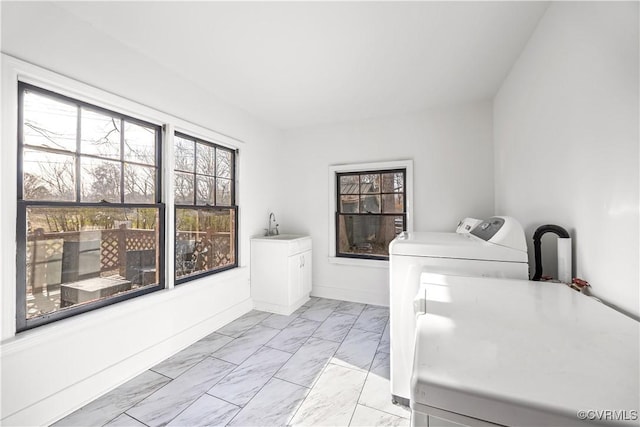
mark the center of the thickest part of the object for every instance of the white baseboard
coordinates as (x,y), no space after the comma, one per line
(72,397)
(278,308)
(353,295)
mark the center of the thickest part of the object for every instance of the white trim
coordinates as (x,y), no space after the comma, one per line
(358,167)
(168,163)
(9,206)
(374,263)
(354,295)
(96,351)
(93,319)
(51,406)
(15,70)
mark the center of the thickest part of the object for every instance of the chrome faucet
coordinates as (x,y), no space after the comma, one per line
(272,231)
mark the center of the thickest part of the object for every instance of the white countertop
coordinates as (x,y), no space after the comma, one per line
(516,352)
(282,237)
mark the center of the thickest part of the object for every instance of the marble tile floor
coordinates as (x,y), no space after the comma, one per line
(325,365)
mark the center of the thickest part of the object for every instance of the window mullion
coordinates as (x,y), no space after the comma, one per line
(404,197)
(338,197)
(121,160)
(233,180)
(20,153)
(215,177)
(158,165)
(78,150)
(195,173)
(195,188)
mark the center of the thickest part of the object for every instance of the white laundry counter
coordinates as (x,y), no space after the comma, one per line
(516,352)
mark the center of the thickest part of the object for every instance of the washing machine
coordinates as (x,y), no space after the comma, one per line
(495,247)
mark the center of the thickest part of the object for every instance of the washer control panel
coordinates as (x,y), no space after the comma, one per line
(488,228)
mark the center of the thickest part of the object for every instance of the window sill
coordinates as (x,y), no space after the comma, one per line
(356,262)
(91,319)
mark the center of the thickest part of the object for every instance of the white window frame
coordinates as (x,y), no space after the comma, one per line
(361,167)
(14,70)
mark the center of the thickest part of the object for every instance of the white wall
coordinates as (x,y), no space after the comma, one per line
(54,369)
(453,178)
(566,141)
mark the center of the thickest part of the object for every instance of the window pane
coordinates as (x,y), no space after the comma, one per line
(78,255)
(349,204)
(100,180)
(139,144)
(139,184)
(370,204)
(392,203)
(349,184)
(49,123)
(184,151)
(48,176)
(223,192)
(205,190)
(223,163)
(205,240)
(370,183)
(367,235)
(184,188)
(392,182)
(100,134)
(205,159)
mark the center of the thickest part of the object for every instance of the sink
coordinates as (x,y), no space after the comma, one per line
(280,272)
(281,237)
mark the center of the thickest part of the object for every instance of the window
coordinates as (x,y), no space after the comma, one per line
(371,211)
(206,213)
(90,222)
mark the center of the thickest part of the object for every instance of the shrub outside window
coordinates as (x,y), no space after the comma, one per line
(371,212)
(206,213)
(90,220)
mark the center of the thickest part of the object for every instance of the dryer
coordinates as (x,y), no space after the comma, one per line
(495,247)
(504,352)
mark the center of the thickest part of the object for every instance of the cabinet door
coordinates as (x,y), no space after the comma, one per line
(306,273)
(294,288)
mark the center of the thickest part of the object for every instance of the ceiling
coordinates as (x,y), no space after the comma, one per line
(295,64)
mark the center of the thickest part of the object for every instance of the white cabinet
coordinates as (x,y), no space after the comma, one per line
(299,269)
(280,272)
